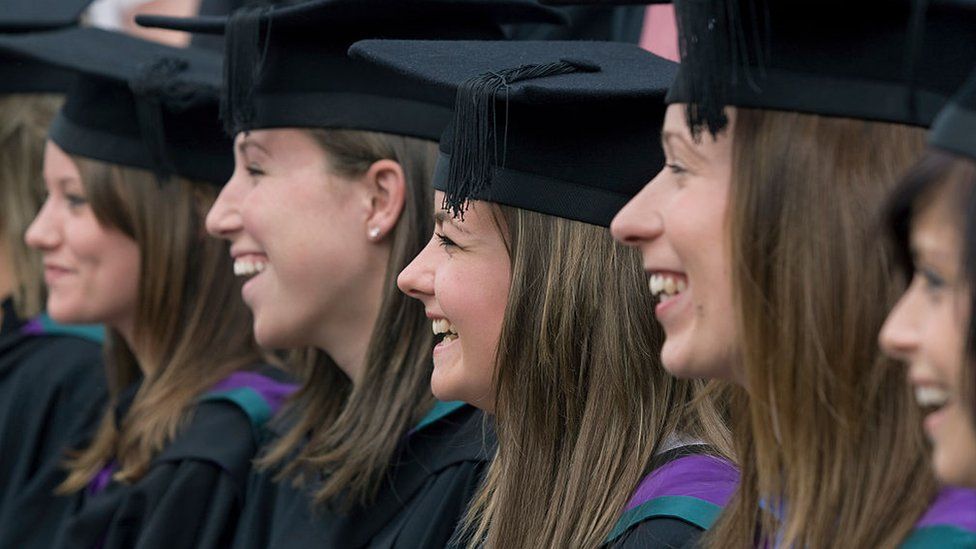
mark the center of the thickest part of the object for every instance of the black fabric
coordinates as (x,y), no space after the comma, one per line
(954,130)
(616,24)
(34,15)
(192,495)
(287,66)
(421,503)
(576,145)
(52,395)
(882,60)
(135,102)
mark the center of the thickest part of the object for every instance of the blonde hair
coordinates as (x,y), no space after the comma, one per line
(347,435)
(582,401)
(24,119)
(826,429)
(192,329)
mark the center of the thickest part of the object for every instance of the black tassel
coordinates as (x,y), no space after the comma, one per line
(156,87)
(246,48)
(913,54)
(475,149)
(714,47)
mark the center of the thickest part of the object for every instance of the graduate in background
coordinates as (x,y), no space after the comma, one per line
(52,386)
(133,161)
(544,319)
(932,219)
(329,201)
(774,276)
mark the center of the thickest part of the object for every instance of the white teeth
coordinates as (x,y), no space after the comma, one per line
(929,396)
(667,285)
(247,268)
(444,326)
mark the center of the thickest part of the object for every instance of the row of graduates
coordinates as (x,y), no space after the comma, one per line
(403,179)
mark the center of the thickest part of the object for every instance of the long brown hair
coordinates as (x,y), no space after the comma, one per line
(192,328)
(24,119)
(350,433)
(827,433)
(582,401)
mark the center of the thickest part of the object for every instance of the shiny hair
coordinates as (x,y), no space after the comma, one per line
(827,432)
(583,402)
(345,434)
(938,172)
(191,329)
(24,119)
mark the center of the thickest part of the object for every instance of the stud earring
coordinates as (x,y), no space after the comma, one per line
(374,233)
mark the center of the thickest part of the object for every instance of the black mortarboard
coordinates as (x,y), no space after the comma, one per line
(954,129)
(286,66)
(21,75)
(36,15)
(570,129)
(881,60)
(135,102)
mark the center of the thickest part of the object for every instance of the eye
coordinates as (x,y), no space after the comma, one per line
(254,171)
(675,168)
(444,241)
(75,200)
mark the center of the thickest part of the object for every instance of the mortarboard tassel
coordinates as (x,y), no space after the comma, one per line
(245,52)
(475,148)
(158,86)
(714,46)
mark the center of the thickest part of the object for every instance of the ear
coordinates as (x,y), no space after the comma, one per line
(387,188)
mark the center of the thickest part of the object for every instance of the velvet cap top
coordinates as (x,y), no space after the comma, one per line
(23,75)
(286,65)
(134,102)
(569,129)
(954,130)
(880,60)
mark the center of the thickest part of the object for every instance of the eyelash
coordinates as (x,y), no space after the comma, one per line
(933,281)
(75,200)
(675,168)
(444,241)
(254,171)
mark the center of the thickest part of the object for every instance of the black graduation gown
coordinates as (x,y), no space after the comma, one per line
(436,472)
(52,394)
(193,493)
(677,501)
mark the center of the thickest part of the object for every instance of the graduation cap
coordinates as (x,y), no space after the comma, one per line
(35,15)
(954,129)
(570,129)
(22,75)
(286,65)
(881,60)
(135,102)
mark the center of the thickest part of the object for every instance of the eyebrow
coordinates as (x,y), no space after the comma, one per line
(247,143)
(441,217)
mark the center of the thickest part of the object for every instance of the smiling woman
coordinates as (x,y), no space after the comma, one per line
(932,219)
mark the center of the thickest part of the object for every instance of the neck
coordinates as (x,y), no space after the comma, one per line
(345,337)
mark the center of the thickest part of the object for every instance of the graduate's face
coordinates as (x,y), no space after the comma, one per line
(296,233)
(678,222)
(927,330)
(463,276)
(91,271)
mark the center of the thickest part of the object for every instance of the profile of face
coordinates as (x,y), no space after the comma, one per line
(303,236)
(678,222)
(91,271)
(927,331)
(463,277)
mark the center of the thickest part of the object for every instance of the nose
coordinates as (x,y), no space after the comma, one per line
(899,337)
(224,218)
(417,279)
(44,232)
(639,221)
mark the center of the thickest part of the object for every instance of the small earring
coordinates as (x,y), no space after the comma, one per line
(374,233)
